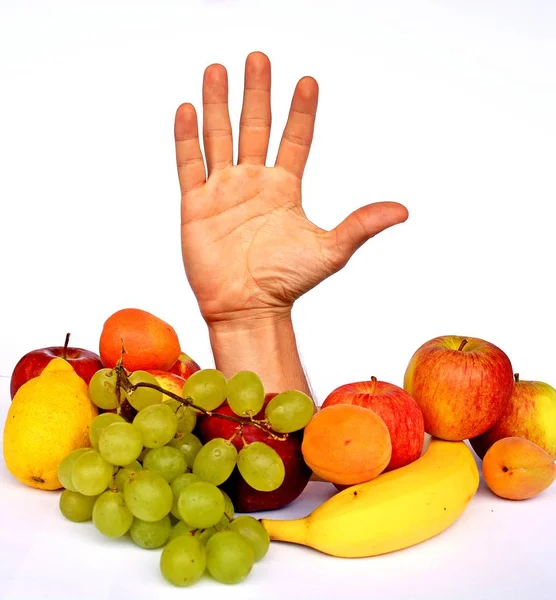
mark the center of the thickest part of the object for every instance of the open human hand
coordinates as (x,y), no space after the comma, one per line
(249,250)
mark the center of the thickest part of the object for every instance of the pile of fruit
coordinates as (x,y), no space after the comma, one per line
(146,444)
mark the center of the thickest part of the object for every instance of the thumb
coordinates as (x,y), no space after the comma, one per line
(361,225)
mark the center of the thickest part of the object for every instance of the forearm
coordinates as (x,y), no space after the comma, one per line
(266,346)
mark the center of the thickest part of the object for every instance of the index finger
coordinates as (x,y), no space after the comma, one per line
(298,133)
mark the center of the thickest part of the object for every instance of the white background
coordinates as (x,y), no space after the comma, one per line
(447,107)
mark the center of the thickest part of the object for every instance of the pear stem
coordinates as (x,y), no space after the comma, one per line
(65,348)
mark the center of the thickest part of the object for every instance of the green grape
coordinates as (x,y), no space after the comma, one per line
(76,507)
(261,467)
(91,474)
(183,560)
(124,473)
(148,495)
(187,417)
(254,532)
(230,558)
(66,465)
(150,534)
(178,485)
(201,504)
(166,461)
(102,389)
(120,443)
(181,528)
(289,411)
(157,423)
(189,444)
(142,397)
(110,514)
(204,535)
(245,393)
(207,388)
(99,423)
(229,510)
(215,461)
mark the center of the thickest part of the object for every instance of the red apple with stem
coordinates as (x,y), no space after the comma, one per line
(462,384)
(85,363)
(399,411)
(185,366)
(245,498)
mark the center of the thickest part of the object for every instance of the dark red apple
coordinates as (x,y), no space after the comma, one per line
(85,362)
(399,411)
(185,366)
(245,498)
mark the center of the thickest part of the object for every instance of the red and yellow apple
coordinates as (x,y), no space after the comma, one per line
(399,411)
(185,366)
(462,384)
(168,381)
(530,414)
(85,363)
(244,497)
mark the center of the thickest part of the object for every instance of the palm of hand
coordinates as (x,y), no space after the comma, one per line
(253,216)
(247,244)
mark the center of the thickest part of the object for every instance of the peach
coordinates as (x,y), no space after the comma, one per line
(517,469)
(346,444)
(148,341)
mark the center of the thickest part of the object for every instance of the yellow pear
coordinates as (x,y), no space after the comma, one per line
(49,417)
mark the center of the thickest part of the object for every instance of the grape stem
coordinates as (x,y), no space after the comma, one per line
(123,382)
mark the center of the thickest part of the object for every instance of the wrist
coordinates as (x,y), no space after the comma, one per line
(249,320)
(263,343)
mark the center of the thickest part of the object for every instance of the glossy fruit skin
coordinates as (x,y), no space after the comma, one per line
(462,385)
(185,366)
(243,496)
(148,341)
(530,414)
(397,409)
(85,363)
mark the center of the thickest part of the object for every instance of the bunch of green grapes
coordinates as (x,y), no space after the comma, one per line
(151,478)
(153,481)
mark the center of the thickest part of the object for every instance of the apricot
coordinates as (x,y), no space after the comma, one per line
(517,469)
(346,444)
(148,341)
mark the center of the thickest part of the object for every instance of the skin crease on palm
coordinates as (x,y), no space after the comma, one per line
(249,250)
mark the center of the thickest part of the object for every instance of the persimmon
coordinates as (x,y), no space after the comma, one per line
(346,444)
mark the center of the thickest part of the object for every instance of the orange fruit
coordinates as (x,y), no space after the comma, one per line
(148,341)
(346,444)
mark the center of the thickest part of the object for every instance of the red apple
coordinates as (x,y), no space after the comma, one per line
(185,366)
(397,409)
(462,384)
(85,363)
(244,497)
(530,414)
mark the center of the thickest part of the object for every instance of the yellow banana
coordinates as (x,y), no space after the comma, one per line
(395,510)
